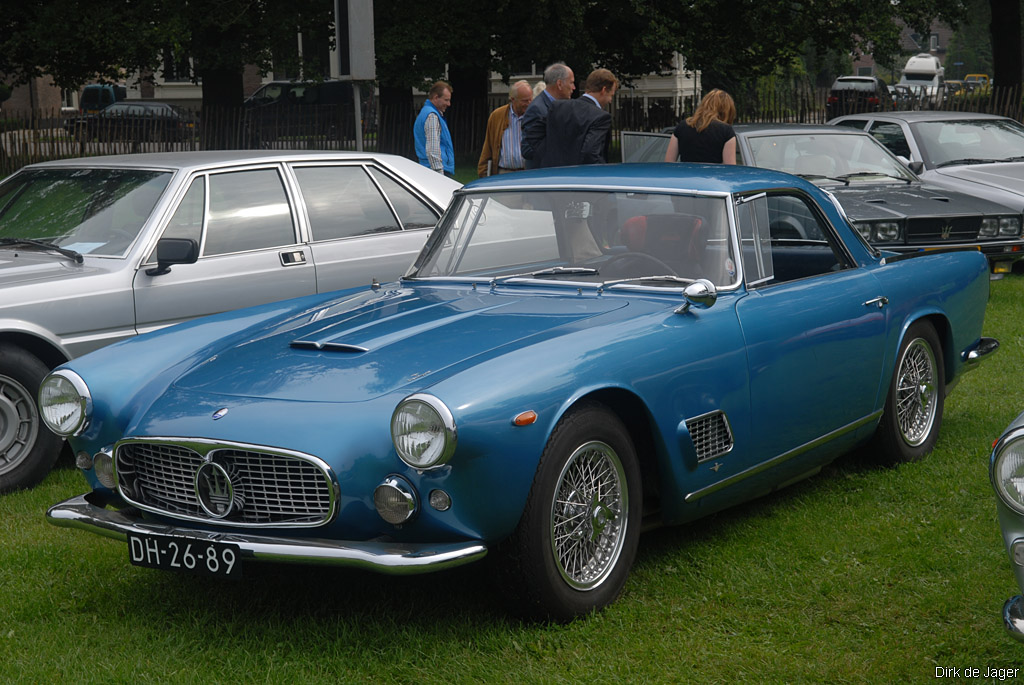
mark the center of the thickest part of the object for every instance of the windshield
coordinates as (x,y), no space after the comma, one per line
(596,237)
(828,157)
(974,141)
(92,211)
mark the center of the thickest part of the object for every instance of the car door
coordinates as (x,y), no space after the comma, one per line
(813,324)
(364,224)
(245,224)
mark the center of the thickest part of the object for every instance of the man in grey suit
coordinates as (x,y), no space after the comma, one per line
(560,83)
(579,131)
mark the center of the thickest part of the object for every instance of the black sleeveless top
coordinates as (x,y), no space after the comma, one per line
(705,146)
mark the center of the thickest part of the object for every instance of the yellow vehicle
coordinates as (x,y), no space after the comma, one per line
(979,83)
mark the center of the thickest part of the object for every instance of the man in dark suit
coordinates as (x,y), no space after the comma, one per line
(579,131)
(559,84)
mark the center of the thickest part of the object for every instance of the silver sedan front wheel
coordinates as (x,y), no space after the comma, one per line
(28,449)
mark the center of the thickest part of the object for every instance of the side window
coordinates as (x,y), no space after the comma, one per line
(248,211)
(853,123)
(800,244)
(413,212)
(187,220)
(891,136)
(342,202)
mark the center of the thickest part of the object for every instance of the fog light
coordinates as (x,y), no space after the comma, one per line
(440,500)
(395,500)
(104,469)
(1003,267)
(83,460)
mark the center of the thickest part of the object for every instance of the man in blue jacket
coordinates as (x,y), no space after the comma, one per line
(434,147)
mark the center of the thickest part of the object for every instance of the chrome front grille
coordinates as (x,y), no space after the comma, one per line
(240,485)
(711,435)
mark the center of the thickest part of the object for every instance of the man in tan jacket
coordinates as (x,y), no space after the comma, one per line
(502,145)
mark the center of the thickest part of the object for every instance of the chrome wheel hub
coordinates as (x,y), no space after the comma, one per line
(588,515)
(916,393)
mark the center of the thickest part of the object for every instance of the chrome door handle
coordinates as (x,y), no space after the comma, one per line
(881,301)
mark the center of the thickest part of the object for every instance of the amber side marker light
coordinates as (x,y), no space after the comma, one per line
(525,419)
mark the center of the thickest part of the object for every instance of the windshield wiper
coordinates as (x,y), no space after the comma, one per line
(28,242)
(845,178)
(646,279)
(553,271)
(967,160)
(1012,159)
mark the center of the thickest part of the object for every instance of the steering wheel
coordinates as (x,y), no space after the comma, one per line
(665,269)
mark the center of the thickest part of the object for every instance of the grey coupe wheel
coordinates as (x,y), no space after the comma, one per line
(913,408)
(577,538)
(28,449)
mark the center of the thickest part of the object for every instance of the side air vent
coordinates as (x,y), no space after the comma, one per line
(711,435)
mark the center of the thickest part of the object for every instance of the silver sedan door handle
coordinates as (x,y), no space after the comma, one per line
(881,301)
(292,258)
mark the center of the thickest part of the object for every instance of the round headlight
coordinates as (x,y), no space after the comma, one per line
(1008,471)
(64,402)
(423,431)
(1009,226)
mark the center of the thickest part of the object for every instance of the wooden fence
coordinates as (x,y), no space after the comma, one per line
(27,137)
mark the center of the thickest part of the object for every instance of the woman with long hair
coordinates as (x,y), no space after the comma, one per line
(707,136)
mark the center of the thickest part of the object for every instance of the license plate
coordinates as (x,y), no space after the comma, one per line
(184,554)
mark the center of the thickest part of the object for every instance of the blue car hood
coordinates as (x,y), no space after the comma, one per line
(365,346)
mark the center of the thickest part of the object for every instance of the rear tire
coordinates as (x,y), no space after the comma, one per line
(28,450)
(574,546)
(915,400)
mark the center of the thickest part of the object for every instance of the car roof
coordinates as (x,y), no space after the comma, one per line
(214,158)
(914,116)
(789,129)
(661,176)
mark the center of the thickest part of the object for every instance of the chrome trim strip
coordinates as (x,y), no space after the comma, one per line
(775,461)
(394,558)
(204,447)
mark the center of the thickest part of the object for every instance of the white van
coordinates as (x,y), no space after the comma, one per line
(923,77)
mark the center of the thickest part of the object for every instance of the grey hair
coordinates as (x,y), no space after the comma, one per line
(556,71)
(513,90)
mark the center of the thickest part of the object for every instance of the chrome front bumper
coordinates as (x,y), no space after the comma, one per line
(1013,617)
(393,558)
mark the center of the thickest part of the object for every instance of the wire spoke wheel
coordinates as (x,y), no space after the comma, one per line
(916,393)
(587,520)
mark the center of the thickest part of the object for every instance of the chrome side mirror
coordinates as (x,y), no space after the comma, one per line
(701,293)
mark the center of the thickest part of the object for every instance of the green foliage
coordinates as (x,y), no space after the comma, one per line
(971,44)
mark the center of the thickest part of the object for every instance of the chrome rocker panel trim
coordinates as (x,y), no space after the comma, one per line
(393,558)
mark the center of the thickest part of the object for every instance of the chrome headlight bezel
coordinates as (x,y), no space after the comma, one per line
(67,389)
(1007,465)
(430,418)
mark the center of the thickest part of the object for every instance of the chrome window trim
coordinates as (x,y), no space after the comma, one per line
(204,447)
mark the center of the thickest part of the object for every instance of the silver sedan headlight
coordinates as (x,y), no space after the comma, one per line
(1009,226)
(989,227)
(65,403)
(1008,470)
(423,430)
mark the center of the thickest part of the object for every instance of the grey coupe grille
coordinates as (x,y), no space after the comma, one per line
(710,434)
(266,488)
(932,229)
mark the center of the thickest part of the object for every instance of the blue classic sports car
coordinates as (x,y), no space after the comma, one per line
(576,354)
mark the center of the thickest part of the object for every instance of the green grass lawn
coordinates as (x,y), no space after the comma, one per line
(860,575)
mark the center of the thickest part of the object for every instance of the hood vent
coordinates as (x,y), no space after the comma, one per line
(327,347)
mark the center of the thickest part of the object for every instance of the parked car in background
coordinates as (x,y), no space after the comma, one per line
(1006,470)
(891,207)
(887,203)
(136,120)
(575,354)
(977,154)
(853,94)
(297,110)
(924,79)
(978,82)
(99,249)
(98,96)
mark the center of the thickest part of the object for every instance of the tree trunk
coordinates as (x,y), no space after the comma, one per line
(1007,57)
(396,119)
(222,124)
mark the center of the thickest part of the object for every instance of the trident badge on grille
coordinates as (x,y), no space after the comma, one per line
(214,490)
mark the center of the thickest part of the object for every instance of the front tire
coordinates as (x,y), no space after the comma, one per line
(915,400)
(28,450)
(573,548)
